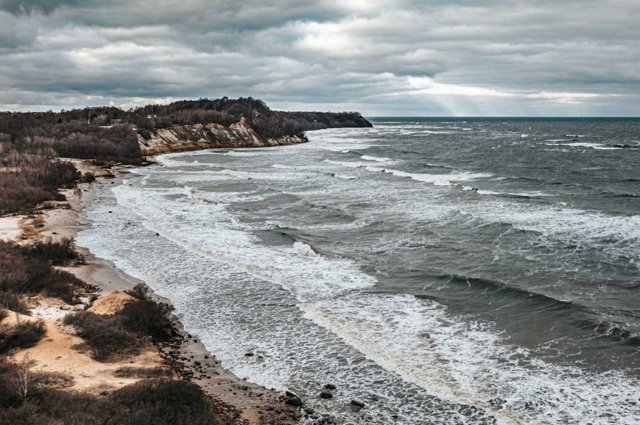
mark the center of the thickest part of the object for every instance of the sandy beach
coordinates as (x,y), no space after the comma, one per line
(236,401)
(10,228)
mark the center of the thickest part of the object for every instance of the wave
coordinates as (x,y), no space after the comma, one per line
(253,314)
(525,195)
(305,249)
(220,237)
(584,317)
(626,146)
(375,158)
(597,146)
(438,132)
(245,153)
(469,362)
(562,223)
(342,176)
(348,164)
(482,284)
(193,194)
(620,195)
(438,179)
(451,179)
(611,330)
(174,159)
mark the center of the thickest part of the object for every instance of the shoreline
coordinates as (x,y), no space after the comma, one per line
(236,400)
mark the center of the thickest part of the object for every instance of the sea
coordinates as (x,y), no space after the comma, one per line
(440,271)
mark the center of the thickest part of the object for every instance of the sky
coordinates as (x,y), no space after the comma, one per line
(379,57)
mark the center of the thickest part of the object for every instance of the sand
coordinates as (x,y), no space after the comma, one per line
(57,352)
(10,230)
(111,304)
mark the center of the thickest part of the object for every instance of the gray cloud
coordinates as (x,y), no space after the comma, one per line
(378,56)
(34,6)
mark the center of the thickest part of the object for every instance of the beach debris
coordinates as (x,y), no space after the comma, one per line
(357,404)
(292,399)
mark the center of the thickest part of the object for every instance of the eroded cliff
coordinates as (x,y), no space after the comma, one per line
(206,136)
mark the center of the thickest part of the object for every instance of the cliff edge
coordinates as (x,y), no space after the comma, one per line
(241,123)
(207,136)
(113,135)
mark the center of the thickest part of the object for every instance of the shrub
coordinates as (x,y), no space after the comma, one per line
(24,335)
(28,270)
(159,402)
(156,402)
(125,331)
(58,253)
(88,177)
(142,372)
(31,180)
(3,314)
(17,195)
(8,394)
(61,284)
(141,291)
(13,302)
(105,335)
(49,406)
(147,318)
(48,380)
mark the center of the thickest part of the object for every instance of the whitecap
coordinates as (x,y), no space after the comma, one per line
(375,158)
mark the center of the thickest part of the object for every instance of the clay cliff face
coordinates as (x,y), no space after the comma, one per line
(206,136)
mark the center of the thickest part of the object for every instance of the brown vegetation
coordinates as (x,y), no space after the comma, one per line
(13,302)
(23,335)
(142,372)
(28,270)
(36,398)
(28,180)
(59,253)
(124,333)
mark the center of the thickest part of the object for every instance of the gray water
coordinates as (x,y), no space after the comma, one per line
(441,271)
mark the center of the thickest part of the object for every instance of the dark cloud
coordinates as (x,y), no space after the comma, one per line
(34,6)
(379,56)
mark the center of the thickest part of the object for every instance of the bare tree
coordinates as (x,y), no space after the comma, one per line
(21,380)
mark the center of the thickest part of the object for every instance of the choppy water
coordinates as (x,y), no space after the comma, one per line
(461,271)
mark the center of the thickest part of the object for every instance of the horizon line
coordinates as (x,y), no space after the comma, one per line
(502,116)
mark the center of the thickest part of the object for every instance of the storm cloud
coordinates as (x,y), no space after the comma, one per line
(380,57)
